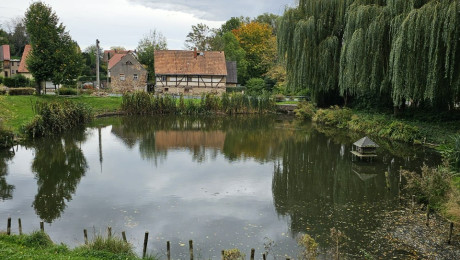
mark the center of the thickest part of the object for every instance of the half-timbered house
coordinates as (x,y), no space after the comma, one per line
(190,72)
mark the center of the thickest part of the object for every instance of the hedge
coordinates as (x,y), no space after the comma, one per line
(21,91)
(17,81)
(67,91)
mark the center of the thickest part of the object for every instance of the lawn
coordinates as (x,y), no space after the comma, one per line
(15,111)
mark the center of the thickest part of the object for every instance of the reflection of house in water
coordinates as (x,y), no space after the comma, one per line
(364,171)
(165,140)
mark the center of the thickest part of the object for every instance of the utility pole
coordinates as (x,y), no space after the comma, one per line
(98,80)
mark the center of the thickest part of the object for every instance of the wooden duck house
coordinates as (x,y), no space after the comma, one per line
(364,148)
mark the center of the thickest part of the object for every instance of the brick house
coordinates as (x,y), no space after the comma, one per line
(126,73)
(9,67)
(190,72)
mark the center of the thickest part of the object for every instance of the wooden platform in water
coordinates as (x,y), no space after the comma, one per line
(363,155)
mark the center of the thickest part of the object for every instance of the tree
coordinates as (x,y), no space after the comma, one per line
(199,38)
(54,56)
(89,57)
(17,36)
(3,37)
(270,19)
(146,51)
(234,52)
(118,48)
(259,43)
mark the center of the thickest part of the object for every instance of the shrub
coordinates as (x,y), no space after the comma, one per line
(233,254)
(255,86)
(334,116)
(21,91)
(431,187)
(305,110)
(1,80)
(2,91)
(400,131)
(16,81)
(67,91)
(451,152)
(56,117)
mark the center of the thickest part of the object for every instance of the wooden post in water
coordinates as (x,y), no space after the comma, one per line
(123,234)
(85,235)
(190,243)
(253,251)
(8,227)
(42,226)
(109,232)
(20,226)
(451,229)
(223,254)
(168,250)
(146,239)
(264,256)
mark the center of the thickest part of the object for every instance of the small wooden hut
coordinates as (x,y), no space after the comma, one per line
(364,148)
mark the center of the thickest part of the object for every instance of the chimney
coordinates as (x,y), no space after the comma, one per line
(195,54)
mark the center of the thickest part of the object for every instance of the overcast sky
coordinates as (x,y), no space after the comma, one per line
(125,22)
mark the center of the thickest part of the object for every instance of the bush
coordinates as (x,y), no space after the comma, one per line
(255,86)
(305,110)
(56,117)
(451,152)
(233,254)
(16,81)
(431,187)
(21,91)
(38,239)
(67,91)
(2,91)
(1,80)
(400,131)
(334,116)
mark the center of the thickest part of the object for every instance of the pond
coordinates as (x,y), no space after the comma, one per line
(224,182)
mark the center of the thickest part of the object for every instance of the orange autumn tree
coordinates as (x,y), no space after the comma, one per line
(258,41)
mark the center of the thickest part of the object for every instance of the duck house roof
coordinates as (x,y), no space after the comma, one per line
(365,142)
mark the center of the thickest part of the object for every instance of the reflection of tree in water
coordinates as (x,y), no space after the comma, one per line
(59,164)
(6,190)
(314,184)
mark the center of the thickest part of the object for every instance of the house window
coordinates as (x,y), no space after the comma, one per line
(163,78)
(166,89)
(122,76)
(135,77)
(189,78)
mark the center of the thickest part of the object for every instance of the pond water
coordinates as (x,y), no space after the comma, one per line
(224,182)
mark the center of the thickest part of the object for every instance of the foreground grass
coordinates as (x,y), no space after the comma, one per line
(16,111)
(38,246)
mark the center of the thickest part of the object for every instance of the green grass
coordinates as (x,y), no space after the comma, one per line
(16,111)
(288,103)
(39,246)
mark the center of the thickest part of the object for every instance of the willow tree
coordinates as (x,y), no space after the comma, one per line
(365,54)
(309,40)
(425,58)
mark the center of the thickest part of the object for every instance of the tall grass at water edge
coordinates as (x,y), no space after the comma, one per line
(142,103)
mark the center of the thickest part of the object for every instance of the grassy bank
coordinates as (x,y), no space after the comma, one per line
(16,111)
(39,246)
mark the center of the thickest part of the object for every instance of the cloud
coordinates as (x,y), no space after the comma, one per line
(219,10)
(125,22)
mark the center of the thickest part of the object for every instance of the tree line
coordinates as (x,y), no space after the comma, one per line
(381,53)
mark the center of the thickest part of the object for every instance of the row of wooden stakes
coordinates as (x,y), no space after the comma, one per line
(123,234)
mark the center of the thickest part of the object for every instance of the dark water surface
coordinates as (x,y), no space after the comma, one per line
(229,182)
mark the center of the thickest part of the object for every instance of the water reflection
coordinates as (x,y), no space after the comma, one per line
(6,190)
(239,179)
(59,164)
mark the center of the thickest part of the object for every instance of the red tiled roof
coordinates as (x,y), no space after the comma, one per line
(22,65)
(115,59)
(177,62)
(6,52)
